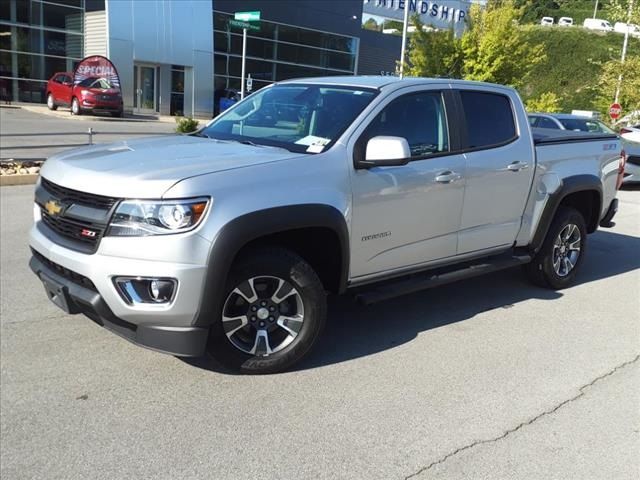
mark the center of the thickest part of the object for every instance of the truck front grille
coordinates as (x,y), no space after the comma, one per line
(73,196)
(87,233)
(80,230)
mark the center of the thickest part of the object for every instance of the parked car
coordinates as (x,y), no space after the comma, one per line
(546,21)
(94,94)
(631,145)
(597,24)
(631,133)
(565,22)
(565,121)
(621,27)
(226,241)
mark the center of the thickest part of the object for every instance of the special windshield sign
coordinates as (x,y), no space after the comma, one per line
(97,67)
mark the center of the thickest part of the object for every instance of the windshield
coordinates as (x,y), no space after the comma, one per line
(300,118)
(585,125)
(96,83)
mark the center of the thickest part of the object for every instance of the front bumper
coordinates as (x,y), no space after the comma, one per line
(76,294)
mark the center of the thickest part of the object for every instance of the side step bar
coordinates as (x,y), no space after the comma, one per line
(437,277)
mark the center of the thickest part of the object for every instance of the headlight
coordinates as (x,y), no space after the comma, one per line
(87,93)
(140,218)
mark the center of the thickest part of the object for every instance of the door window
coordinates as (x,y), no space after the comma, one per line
(489,119)
(418,117)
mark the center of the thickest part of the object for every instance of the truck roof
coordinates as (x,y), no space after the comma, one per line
(380,81)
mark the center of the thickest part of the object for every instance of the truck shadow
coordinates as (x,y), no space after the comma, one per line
(355,331)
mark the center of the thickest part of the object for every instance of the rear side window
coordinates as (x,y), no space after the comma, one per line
(489,119)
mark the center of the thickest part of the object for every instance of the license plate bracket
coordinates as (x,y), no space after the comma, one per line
(58,294)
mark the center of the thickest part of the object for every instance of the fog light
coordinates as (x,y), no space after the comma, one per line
(139,290)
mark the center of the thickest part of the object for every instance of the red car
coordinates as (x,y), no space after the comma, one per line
(92,94)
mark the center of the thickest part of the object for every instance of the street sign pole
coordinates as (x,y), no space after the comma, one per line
(404,37)
(624,51)
(244,59)
(244,20)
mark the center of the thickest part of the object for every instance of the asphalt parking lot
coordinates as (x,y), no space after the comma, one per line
(48,125)
(488,378)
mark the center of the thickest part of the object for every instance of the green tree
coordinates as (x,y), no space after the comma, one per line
(493,47)
(548,102)
(630,88)
(618,10)
(371,24)
(432,53)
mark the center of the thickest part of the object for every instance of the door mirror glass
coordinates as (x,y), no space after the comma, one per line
(386,151)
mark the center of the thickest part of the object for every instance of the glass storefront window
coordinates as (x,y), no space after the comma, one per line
(39,38)
(64,18)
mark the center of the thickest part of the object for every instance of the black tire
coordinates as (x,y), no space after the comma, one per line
(118,114)
(542,271)
(261,266)
(75,107)
(51,103)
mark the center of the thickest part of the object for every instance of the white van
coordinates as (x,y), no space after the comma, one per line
(597,24)
(565,22)
(621,27)
(546,21)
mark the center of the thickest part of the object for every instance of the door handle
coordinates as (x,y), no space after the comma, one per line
(517,166)
(447,177)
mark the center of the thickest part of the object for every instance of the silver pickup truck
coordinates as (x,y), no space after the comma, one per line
(226,242)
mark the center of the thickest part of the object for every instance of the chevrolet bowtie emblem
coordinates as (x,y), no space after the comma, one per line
(53,208)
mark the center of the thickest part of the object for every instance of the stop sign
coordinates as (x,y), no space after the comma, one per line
(615,110)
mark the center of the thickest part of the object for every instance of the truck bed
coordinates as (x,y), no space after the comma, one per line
(550,136)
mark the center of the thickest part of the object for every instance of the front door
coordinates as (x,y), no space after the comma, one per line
(407,216)
(144,99)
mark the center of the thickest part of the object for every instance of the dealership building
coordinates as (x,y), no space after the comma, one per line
(172,55)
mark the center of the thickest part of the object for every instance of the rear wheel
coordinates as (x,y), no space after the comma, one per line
(75,107)
(556,264)
(273,313)
(51,103)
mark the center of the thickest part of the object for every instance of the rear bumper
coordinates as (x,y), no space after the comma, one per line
(79,297)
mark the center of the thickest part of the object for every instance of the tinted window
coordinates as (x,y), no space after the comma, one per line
(489,118)
(547,123)
(418,117)
(533,121)
(585,125)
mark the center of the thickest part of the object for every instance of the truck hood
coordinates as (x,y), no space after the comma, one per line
(148,167)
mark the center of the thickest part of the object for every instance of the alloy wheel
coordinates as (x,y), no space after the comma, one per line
(263,315)
(566,250)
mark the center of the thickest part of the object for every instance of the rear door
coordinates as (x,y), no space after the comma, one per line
(499,168)
(404,216)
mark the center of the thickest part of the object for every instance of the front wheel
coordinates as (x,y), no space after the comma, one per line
(51,103)
(556,264)
(273,313)
(75,107)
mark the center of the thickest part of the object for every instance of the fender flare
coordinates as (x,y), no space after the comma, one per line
(569,185)
(238,232)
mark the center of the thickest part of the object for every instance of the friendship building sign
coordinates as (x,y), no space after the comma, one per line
(438,14)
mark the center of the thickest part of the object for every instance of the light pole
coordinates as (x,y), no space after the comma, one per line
(624,50)
(404,37)
(595,10)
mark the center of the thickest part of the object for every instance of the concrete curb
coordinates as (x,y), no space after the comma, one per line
(12,180)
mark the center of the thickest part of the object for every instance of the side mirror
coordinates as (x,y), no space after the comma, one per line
(384,151)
